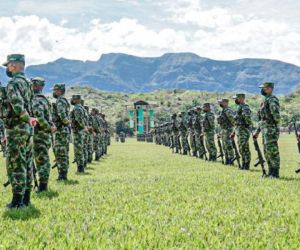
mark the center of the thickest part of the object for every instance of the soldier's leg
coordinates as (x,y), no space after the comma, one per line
(79,150)
(244,148)
(211,146)
(42,160)
(229,147)
(16,164)
(61,146)
(273,158)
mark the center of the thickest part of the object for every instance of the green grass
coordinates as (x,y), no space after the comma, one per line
(143,196)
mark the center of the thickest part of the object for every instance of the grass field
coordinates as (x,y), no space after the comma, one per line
(142,196)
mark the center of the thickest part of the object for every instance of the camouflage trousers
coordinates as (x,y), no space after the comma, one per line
(19,158)
(97,144)
(227,143)
(61,149)
(243,136)
(41,146)
(176,142)
(90,147)
(199,143)
(184,141)
(192,140)
(79,137)
(210,144)
(86,147)
(271,150)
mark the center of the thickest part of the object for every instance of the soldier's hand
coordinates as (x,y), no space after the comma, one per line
(3,140)
(232,135)
(53,129)
(255,136)
(32,122)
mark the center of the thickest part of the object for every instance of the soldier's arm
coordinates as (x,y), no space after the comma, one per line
(61,112)
(38,112)
(246,113)
(79,117)
(230,116)
(16,100)
(275,110)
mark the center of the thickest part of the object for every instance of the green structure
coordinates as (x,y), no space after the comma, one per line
(141,118)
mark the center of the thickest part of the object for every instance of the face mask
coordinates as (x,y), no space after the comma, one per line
(237,102)
(221,105)
(55,95)
(262,92)
(36,91)
(73,102)
(8,73)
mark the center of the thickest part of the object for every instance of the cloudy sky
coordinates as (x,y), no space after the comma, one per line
(85,29)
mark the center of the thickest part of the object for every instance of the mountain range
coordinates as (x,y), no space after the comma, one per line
(126,73)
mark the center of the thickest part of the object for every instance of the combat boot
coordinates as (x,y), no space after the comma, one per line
(195,153)
(80,169)
(26,198)
(177,151)
(247,166)
(43,187)
(184,152)
(17,202)
(212,158)
(60,176)
(274,173)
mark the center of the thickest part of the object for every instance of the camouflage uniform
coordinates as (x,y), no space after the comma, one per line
(106,135)
(61,119)
(243,124)
(226,122)
(269,117)
(42,134)
(78,128)
(96,128)
(209,133)
(90,138)
(183,134)
(19,153)
(192,135)
(86,135)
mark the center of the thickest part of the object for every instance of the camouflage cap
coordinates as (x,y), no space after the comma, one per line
(240,95)
(267,85)
(14,58)
(223,100)
(76,97)
(59,86)
(38,81)
(207,104)
(199,108)
(95,110)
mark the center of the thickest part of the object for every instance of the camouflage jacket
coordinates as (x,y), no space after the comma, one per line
(61,112)
(182,125)
(42,111)
(226,118)
(269,112)
(19,96)
(209,122)
(78,119)
(2,129)
(243,116)
(197,123)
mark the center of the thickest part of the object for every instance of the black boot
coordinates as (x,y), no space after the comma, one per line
(65,176)
(43,187)
(247,166)
(60,176)
(195,153)
(274,173)
(177,151)
(26,198)
(80,169)
(184,152)
(17,202)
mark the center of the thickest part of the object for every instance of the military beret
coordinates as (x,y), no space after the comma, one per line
(240,95)
(59,86)
(267,84)
(76,96)
(38,81)
(14,58)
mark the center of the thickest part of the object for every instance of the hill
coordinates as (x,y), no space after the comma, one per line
(127,73)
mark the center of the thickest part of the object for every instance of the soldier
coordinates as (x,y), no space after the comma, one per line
(86,135)
(96,128)
(61,119)
(226,122)
(90,135)
(183,134)
(192,135)
(243,125)
(175,134)
(78,124)
(122,136)
(19,124)
(42,132)
(197,125)
(209,131)
(105,134)
(269,119)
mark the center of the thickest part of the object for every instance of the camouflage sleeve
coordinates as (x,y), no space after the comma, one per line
(16,100)
(230,116)
(38,112)
(61,111)
(246,113)
(79,117)
(211,120)
(275,109)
